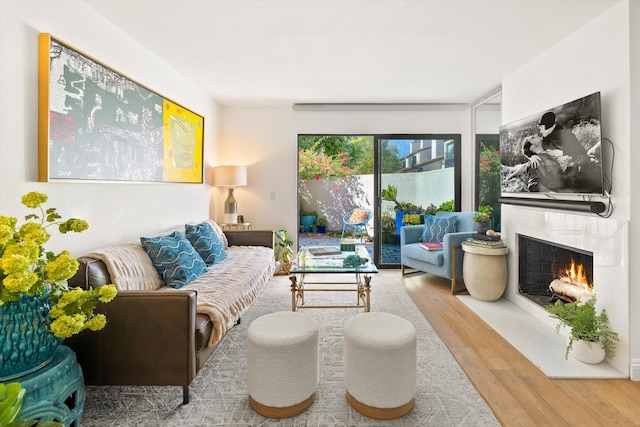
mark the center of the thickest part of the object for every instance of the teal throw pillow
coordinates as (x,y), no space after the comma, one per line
(205,240)
(435,227)
(175,259)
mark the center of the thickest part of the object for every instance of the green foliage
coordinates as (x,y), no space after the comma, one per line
(431,209)
(11,400)
(390,158)
(334,156)
(585,324)
(353,152)
(283,249)
(26,268)
(390,194)
(353,261)
(484,214)
(314,165)
(449,206)
(407,207)
(387,221)
(322,220)
(489,174)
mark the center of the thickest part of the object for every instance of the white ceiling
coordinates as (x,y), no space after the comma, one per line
(347,51)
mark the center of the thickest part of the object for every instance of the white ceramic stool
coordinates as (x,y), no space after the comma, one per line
(282,364)
(380,364)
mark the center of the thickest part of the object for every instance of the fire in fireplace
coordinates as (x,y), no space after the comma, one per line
(547,271)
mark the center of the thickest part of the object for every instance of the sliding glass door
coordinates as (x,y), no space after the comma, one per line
(395,177)
(416,174)
(488,175)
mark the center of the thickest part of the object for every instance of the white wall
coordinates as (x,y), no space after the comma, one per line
(634,177)
(115,212)
(266,138)
(594,58)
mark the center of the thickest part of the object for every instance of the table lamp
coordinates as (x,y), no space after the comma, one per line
(230,176)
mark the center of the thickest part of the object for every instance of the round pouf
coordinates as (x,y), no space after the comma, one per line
(282,364)
(380,364)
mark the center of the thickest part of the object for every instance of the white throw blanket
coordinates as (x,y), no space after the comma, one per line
(228,288)
(129,266)
(225,291)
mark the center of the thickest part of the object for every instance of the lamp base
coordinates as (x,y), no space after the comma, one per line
(230,218)
(230,209)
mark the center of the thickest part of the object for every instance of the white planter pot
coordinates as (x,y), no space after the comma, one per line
(588,352)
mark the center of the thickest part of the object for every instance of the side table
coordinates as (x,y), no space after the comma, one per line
(237,226)
(56,391)
(485,271)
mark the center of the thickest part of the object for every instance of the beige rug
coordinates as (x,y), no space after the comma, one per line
(445,397)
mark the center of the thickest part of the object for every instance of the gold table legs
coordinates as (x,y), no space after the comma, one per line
(363,290)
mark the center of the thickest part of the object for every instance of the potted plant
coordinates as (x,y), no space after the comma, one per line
(448,206)
(483,218)
(33,280)
(308,218)
(387,225)
(431,209)
(322,224)
(590,337)
(390,194)
(283,251)
(411,219)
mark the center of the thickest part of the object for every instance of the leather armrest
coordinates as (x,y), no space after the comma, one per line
(149,340)
(250,238)
(92,273)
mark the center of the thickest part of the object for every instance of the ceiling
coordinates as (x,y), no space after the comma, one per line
(280,52)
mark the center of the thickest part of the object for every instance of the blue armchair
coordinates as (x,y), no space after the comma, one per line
(446,262)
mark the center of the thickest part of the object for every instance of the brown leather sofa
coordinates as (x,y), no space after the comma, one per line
(152,337)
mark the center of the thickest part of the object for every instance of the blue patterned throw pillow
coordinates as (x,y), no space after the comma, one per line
(176,260)
(435,227)
(205,240)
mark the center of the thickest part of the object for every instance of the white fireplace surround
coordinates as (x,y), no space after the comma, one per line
(526,325)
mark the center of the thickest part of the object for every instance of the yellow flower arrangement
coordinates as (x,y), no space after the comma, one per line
(27,269)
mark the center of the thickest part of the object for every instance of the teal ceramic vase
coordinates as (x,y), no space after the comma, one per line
(26,342)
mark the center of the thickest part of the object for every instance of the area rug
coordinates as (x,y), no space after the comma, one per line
(444,397)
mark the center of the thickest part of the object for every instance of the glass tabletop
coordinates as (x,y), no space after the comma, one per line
(329,259)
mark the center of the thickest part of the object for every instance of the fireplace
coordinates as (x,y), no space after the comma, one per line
(600,244)
(542,264)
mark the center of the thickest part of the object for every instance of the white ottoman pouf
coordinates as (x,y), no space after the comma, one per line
(282,363)
(380,364)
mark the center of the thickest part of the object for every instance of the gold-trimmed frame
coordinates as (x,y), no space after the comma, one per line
(96,124)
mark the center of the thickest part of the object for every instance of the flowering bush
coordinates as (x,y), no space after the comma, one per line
(313,165)
(27,269)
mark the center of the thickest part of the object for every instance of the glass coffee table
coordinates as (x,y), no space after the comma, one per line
(313,261)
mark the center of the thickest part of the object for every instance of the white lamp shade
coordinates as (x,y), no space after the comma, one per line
(230,176)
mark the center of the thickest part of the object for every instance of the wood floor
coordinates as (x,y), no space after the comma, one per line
(517,392)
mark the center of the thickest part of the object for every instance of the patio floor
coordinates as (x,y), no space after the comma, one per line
(390,253)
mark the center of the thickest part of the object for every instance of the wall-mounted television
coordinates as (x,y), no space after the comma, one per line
(555,152)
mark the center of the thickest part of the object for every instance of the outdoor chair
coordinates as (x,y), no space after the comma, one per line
(357,219)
